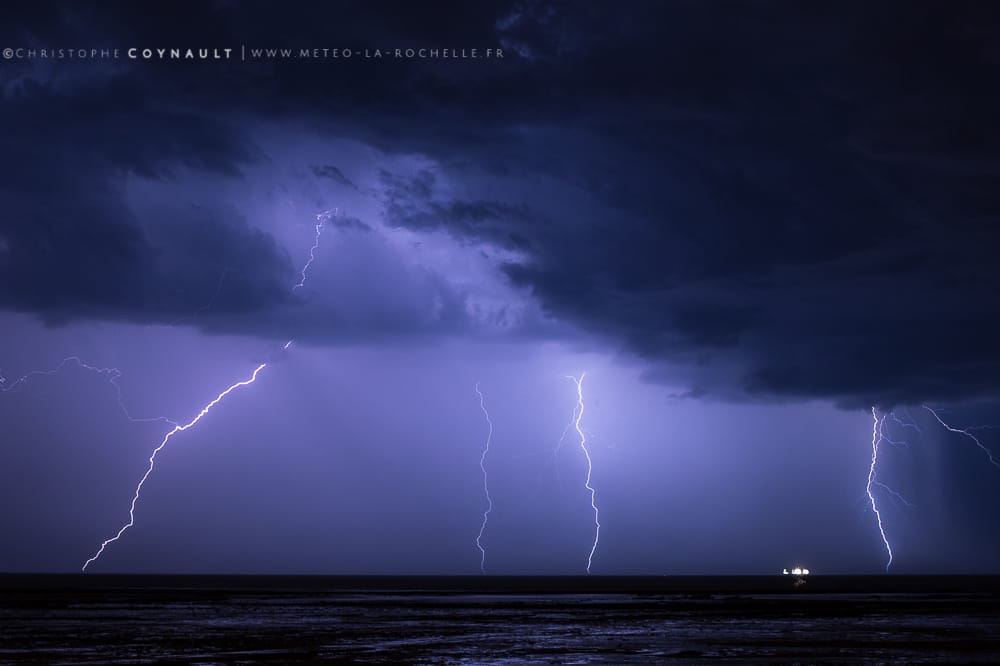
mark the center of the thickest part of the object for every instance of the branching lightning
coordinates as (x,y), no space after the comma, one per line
(909,423)
(876,438)
(895,495)
(114,375)
(554,455)
(207,306)
(322,219)
(569,426)
(152,458)
(578,416)
(486,486)
(967,432)
(24,379)
(879,436)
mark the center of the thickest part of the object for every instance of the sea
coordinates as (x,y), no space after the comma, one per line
(145,619)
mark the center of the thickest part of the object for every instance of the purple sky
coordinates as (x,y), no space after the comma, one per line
(744,253)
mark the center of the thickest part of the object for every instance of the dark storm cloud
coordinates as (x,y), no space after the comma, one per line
(409,203)
(73,246)
(349,223)
(333,173)
(791,200)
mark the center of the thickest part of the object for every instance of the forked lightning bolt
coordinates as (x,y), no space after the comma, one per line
(321,220)
(559,445)
(876,439)
(114,374)
(909,423)
(486,485)
(879,436)
(578,416)
(207,306)
(152,458)
(967,433)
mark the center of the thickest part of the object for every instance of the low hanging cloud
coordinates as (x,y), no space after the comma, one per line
(775,202)
(334,174)
(408,202)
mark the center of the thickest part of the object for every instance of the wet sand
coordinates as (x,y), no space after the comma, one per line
(498,620)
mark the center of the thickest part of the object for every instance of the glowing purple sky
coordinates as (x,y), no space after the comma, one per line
(744,254)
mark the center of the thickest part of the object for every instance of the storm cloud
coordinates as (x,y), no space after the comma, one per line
(768,200)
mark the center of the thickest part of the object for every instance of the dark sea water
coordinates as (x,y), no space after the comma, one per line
(87,619)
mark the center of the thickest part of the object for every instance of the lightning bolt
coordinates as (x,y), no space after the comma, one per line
(898,443)
(321,220)
(554,455)
(207,306)
(486,486)
(114,375)
(23,380)
(967,433)
(152,458)
(569,426)
(879,435)
(578,416)
(876,438)
(909,423)
(895,495)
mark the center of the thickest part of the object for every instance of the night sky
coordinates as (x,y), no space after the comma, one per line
(750,223)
